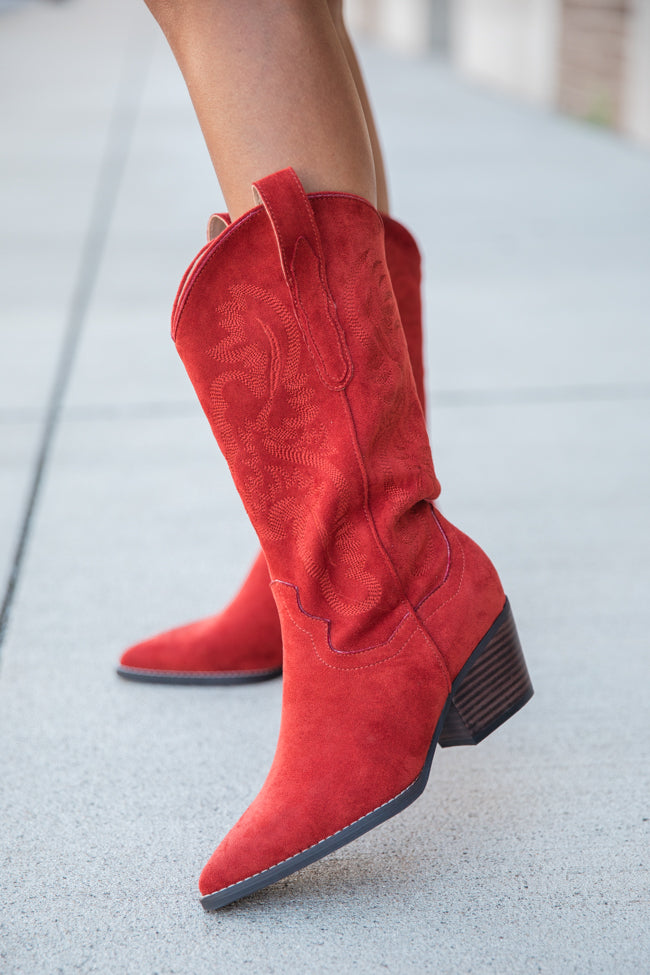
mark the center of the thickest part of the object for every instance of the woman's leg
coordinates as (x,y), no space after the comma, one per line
(336,10)
(272,88)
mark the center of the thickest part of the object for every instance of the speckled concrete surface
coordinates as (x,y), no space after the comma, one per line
(525,855)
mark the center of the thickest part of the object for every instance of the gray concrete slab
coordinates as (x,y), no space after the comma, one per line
(19,439)
(114,793)
(159,222)
(58,99)
(525,855)
(57,117)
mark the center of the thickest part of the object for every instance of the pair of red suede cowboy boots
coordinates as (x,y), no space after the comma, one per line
(390,625)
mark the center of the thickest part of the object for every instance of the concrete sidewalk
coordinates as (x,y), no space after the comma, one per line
(526,855)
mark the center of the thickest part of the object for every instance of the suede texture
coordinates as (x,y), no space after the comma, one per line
(289,331)
(289,373)
(405,269)
(355,732)
(459,613)
(246,636)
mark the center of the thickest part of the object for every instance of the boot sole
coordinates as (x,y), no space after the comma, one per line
(201,677)
(492,686)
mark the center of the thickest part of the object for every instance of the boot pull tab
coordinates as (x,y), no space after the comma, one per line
(304,269)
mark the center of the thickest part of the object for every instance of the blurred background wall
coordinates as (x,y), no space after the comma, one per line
(589,58)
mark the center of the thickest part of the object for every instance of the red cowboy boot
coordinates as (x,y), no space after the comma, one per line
(243,643)
(395,628)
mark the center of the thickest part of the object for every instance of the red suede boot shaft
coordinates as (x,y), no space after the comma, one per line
(246,637)
(405,269)
(285,364)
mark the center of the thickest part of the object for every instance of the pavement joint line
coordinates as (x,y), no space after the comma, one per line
(526,396)
(128,99)
(570,393)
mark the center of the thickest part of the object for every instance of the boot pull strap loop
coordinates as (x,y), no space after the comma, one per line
(304,269)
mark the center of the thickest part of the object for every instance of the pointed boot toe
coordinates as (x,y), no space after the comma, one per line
(242,644)
(355,741)
(359,750)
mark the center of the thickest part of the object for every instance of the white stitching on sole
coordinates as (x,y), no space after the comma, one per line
(221,890)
